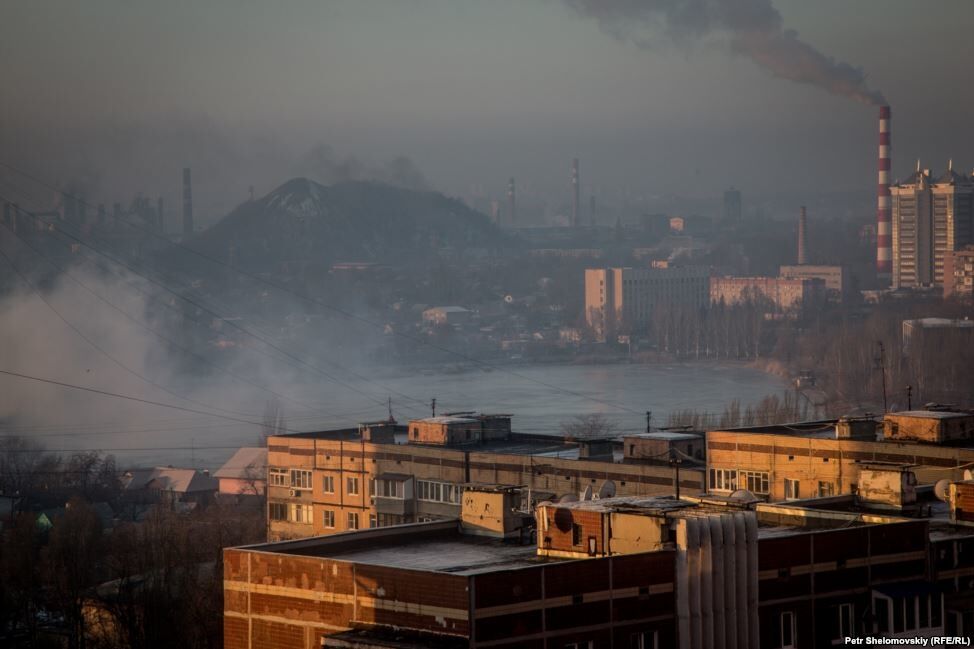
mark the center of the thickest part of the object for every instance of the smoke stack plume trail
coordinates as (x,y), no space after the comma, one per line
(753,28)
(884,214)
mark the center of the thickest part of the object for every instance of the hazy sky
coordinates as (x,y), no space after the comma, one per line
(125,93)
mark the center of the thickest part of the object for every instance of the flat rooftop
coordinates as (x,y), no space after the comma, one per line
(931,414)
(462,555)
(431,547)
(649,505)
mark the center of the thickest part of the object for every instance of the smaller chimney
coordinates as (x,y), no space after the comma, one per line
(575,192)
(511,201)
(187,203)
(802,253)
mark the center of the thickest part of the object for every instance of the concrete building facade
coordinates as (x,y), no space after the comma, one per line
(782,295)
(385,474)
(620,300)
(833,277)
(931,217)
(959,273)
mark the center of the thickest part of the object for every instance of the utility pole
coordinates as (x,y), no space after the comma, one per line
(909,397)
(649,421)
(882,368)
(675,462)
(433,405)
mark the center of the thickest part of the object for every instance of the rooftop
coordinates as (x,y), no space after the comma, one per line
(640,504)
(431,547)
(930,414)
(669,436)
(246,464)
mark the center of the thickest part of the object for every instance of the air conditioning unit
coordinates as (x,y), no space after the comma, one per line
(293,493)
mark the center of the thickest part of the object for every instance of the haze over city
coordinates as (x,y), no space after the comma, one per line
(558,324)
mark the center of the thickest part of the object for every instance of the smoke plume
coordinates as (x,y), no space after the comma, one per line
(752,28)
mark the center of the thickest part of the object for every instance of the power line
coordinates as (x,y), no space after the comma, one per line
(344,312)
(131,398)
(105,352)
(206,309)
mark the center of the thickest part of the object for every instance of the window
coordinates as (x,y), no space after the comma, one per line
(328,484)
(791,489)
(328,519)
(352,521)
(881,613)
(277,511)
(755,481)
(389,489)
(825,489)
(576,534)
(438,492)
(373,521)
(299,513)
(300,479)
(351,486)
(787,630)
(723,479)
(846,622)
(278,478)
(644,640)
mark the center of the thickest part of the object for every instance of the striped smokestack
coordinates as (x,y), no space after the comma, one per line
(884,220)
(575,193)
(802,254)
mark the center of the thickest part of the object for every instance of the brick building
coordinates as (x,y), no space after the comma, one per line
(825,458)
(698,572)
(780,295)
(386,474)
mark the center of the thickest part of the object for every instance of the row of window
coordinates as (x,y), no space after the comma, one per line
(438,492)
(731,479)
(291,512)
(758,482)
(428,490)
(294,478)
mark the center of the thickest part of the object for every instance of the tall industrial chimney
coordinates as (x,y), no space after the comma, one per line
(511,201)
(575,192)
(187,203)
(884,219)
(802,253)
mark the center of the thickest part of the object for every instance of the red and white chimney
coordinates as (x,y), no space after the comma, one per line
(884,214)
(802,252)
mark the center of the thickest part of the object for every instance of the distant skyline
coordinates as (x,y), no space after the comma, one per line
(119,97)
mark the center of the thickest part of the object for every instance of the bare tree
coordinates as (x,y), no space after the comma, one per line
(591,426)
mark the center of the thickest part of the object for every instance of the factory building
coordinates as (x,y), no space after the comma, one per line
(932,217)
(621,300)
(834,278)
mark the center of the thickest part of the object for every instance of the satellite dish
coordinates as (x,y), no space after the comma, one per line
(743,495)
(568,498)
(508,298)
(607,490)
(968,475)
(940,489)
(587,494)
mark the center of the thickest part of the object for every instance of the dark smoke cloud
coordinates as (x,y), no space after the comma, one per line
(753,28)
(322,164)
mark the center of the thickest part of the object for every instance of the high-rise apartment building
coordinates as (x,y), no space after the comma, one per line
(623,299)
(732,206)
(930,218)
